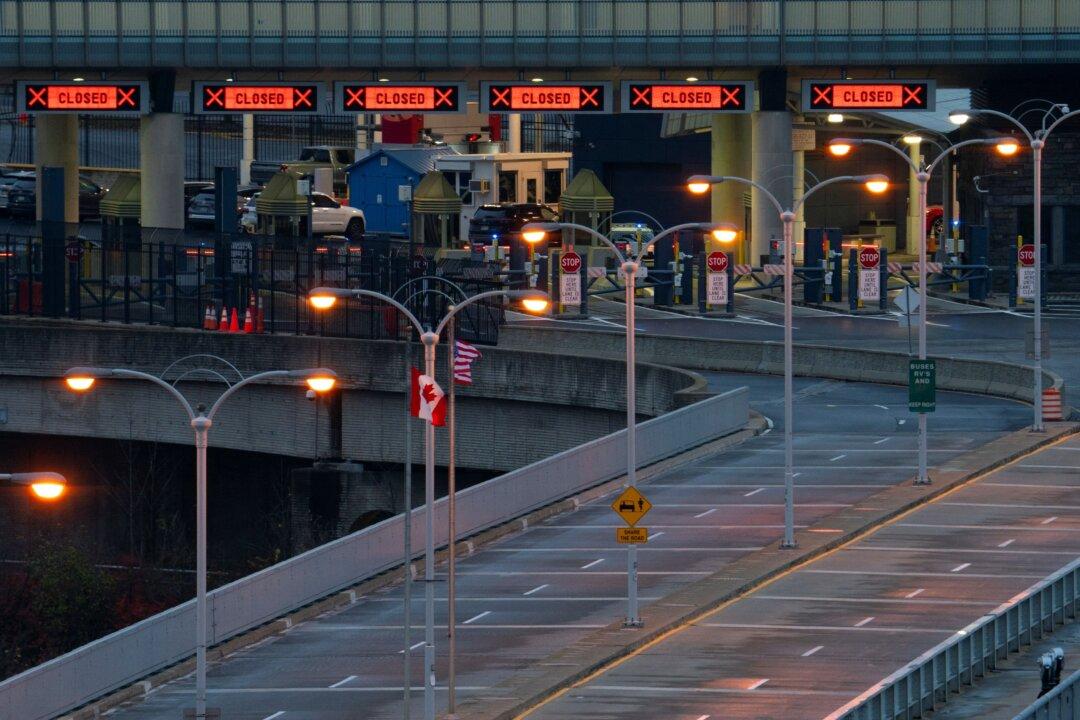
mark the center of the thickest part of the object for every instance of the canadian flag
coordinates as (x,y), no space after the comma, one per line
(427,399)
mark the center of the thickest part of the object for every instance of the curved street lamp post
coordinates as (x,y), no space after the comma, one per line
(82,379)
(44,485)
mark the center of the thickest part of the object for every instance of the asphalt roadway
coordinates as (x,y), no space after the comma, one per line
(536,591)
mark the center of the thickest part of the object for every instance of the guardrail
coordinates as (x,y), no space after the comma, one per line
(928,681)
(1061,703)
(123,657)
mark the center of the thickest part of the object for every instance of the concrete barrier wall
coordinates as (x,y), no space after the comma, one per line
(119,659)
(854,364)
(547,402)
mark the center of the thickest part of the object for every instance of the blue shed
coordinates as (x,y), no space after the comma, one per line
(374,180)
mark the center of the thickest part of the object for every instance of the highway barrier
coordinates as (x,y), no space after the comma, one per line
(1061,703)
(930,679)
(119,659)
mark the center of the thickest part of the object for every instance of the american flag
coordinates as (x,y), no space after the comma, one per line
(464,356)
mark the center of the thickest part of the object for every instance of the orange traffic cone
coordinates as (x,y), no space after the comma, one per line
(234,326)
(208,322)
(224,325)
(249,322)
(260,320)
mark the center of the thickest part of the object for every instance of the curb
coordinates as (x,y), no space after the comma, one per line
(606,648)
(350,596)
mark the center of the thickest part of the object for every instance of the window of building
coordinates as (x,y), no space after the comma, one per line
(530,190)
(553,185)
(508,186)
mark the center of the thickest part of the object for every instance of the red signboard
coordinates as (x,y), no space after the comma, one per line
(869,257)
(73,251)
(401,97)
(868,95)
(287,98)
(570,262)
(1026,255)
(541,97)
(717,261)
(80,97)
(687,96)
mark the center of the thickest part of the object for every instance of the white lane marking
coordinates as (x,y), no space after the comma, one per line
(1032,485)
(736,486)
(539,598)
(753,492)
(915,593)
(411,648)
(961,566)
(1007,543)
(864,600)
(864,621)
(339,683)
(1013,505)
(603,549)
(322,627)
(1074,468)
(512,573)
(656,535)
(704,717)
(747,505)
(812,650)
(536,589)
(276,690)
(849,628)
(883,407)
(838,457)
(474,618)
(917,574)
(707,512)
(953,550)
(882,440)
(758,684)
(594,563)
(1049,520)
(623,689)
(985,527)
(742,468)
(278,714)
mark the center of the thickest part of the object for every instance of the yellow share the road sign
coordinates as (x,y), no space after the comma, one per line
(631,506)
(632,535)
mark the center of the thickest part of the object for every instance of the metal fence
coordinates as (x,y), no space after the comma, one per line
(928,681)
(159,641)
(1061,703)
(191,285)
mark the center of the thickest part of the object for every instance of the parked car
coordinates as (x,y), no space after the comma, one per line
(7,181)
(22,198)
(200,211)
(193,188)
(249,219)
(500,224)
(328,217)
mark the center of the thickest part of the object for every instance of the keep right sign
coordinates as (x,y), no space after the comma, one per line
(869,273)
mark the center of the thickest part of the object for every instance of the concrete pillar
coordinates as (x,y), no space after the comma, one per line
(248,153)
(771,159)
(361,132)
(161,168)
(731,137)
(539,132)
(513,126)
(915,224)
(56,144)
(798,187)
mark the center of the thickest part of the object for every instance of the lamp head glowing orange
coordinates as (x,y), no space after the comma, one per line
(322,302)
(534,236)
(839,147)
(1007,147)
(44,485)
(80,383)
(535,304)
(698,188)
(321,383)
(725,233)
(48,489)
(877,185)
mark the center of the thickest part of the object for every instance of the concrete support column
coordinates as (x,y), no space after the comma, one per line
(248,154)
(915,224)
(161,168)
(362,132)
(771,157)
(731,137)
(798,188)
(56,144)
(513,127)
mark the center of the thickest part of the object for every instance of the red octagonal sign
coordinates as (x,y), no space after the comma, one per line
(717,261)
(570,262)
(869,257)
(1026,255)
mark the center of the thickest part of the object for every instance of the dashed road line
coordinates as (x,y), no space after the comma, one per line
(536,589)
(1007,543)
(838,457)
(1049,520)
(961,566)
(594,563)
(339,683)
(411,647)
(864,621)
(474,618)
(278,714)
(812,650)
(754,492)
(758,684)
(707,512)
(882,440)
(915,593)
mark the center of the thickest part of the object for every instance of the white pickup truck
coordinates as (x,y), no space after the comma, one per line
(328,217)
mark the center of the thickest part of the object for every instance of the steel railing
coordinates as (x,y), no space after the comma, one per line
(1061,703)
(928,681)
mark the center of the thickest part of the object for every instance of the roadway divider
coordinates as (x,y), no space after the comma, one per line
(122,658)
(929,680)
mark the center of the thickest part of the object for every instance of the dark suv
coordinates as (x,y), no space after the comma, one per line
(499,224)
(22,198)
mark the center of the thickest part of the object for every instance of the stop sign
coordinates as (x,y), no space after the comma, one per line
(1026,255)
(570,262)
(73,251)
(717,261)
(869,257)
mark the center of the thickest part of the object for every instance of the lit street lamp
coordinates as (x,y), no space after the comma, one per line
(44,485)
(1037,141)
(324,298)
(700,184)
(535,233)
(842,147)
(83,379)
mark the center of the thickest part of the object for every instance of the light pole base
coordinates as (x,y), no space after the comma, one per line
(923,481)
(211,714)
(631,623)
(1037,430)
(789,545)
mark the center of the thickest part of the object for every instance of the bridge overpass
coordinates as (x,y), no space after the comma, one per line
(433,34)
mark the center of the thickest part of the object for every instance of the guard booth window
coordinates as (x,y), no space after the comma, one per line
(508,186)
(553,186)
(530,190)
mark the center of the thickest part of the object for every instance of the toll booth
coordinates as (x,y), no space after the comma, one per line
(282,210)
(436,209)
(586,202)
(120,212)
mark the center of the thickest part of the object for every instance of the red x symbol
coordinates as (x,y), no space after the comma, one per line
(500,98)
(302,97)
(588,97)
(354,98)
(912,96)
(641,96)
(443,97)
(214,97)
(730,96)
(37,97)
(125,97)
(822,95)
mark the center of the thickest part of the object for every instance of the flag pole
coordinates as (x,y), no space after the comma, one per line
(451,622)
